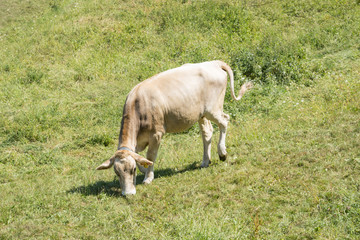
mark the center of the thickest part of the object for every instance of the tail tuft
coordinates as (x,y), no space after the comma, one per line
(246,86)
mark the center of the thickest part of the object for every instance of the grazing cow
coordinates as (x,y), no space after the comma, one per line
(170,102)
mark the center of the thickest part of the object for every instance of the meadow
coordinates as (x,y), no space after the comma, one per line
(293,170)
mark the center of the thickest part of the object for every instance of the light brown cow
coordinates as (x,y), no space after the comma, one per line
(171,101)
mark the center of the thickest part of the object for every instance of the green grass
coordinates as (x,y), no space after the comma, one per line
(293,170)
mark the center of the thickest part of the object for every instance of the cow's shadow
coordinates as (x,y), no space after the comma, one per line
(112,188)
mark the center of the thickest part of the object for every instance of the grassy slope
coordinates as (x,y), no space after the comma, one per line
(293,170)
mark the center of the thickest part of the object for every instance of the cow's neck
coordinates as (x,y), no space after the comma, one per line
(129,127)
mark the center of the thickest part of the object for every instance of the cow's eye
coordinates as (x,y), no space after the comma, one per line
(134,169)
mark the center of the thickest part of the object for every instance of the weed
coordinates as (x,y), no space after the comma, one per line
(272,61)
(32,76)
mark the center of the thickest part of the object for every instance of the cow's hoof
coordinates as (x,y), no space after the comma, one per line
(147,181)
(205,164)
(223,158)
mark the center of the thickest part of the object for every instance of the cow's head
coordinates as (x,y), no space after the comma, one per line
(124,162)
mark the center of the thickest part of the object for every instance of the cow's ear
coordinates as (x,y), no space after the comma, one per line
(143,161)
(107,164)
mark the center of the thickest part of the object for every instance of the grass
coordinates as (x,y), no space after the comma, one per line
(293,170)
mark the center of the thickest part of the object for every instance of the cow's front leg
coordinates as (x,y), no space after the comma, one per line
(141,168)
(151,154)
(206,133)
(140,148)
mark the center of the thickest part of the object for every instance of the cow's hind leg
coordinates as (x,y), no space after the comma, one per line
(151,154)
(206,132)
(222,120)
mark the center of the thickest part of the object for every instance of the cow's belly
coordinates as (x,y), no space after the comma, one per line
(176,122)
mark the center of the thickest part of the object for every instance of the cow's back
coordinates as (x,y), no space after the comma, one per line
(179,97)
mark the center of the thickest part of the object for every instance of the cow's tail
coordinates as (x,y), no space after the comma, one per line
(246,86)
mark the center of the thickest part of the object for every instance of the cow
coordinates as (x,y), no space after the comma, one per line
(171,102)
